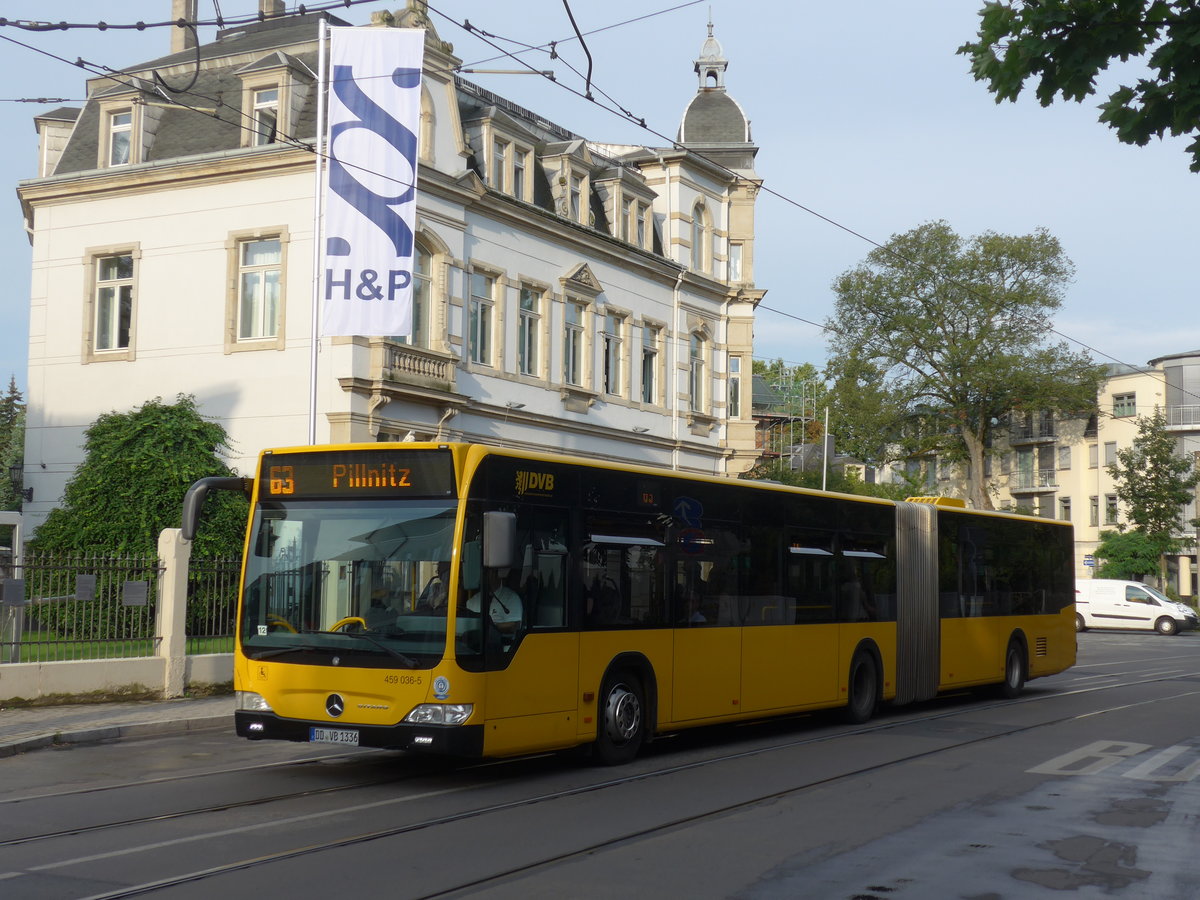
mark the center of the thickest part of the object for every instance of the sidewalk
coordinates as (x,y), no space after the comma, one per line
(45,726)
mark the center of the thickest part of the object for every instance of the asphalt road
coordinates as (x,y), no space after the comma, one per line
(1083,787)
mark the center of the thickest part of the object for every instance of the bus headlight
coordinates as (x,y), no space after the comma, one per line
(440,714)
(248,701)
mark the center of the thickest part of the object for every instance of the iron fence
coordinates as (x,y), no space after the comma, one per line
(212,603)
(92,606)
(100,606)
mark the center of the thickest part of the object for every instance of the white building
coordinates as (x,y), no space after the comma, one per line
(570,294)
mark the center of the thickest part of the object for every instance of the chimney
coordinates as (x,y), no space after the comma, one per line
(183,38)
(272,7)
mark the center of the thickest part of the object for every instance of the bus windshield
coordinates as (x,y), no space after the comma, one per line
(348,582)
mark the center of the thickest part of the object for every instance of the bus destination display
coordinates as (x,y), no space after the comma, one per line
(375,473)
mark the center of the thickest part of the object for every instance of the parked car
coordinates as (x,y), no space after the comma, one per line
(1110,603)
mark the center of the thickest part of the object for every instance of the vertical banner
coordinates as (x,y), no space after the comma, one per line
(371,197)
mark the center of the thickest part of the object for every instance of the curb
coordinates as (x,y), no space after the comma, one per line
(95,735)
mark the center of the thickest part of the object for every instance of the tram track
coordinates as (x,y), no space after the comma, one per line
(433,822)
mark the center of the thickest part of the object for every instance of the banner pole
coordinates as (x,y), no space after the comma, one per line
(318,193)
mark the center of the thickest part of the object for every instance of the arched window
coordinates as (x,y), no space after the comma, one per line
(427,123)
(697,353)
(422,298)
(700,244)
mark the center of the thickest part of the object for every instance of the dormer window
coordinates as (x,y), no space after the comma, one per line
(508,167)
(499,164)
(576,196)
(275,88)
(520,164)
(120,137)
(266,115)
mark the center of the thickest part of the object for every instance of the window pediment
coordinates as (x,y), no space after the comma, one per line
(582,280)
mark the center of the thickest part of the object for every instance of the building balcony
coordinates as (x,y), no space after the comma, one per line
(1183,416)
(412,367)
(1039,482)
(1035,434)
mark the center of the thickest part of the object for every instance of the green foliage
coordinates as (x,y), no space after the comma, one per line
(843,482)
(1129,555)
(936,339)
(1064,44)
(137,468)
(12,442)
(798,393)
(1152,481)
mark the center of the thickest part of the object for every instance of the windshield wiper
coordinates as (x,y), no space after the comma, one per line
(407,660)
(279,651)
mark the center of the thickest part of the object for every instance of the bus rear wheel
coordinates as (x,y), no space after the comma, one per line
(622,724)
(862,690)
(1014,671)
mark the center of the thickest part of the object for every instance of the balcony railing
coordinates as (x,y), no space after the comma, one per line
(1024,434)
(402,364)
(1033,482)
(1183,416)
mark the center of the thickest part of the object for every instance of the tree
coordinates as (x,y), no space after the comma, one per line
(137,467)
(1065,44)
(937,339)
(1129,555)
(1154,484)
(846,483)
(12,442)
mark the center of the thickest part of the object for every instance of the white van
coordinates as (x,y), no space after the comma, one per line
(1109,603)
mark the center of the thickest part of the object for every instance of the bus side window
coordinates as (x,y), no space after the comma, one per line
(546,592)
(540,567)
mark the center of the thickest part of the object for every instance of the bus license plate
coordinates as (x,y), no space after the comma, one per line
(332,736)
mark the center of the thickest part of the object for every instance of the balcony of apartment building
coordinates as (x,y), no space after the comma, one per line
(1038,481)
(1183,418)
(1033,429)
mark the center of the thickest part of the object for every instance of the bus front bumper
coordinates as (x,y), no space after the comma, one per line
(448,740)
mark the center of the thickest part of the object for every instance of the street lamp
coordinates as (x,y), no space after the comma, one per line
(16,474)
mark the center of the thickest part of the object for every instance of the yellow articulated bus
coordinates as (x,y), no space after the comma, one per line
(470,600)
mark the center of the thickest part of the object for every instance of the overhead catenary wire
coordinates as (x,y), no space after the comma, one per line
(488,38)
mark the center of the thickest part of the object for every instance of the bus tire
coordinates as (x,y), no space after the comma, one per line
(1165,625)
(622,725)
(1080,625)
(1014,671)
(862,690)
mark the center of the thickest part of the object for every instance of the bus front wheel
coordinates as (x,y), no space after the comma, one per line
(862,689)
(622,720)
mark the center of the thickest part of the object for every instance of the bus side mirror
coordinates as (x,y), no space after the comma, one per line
(194,499)
(499,539)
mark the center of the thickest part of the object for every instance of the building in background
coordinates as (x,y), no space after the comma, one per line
(1056,466)
(570,294)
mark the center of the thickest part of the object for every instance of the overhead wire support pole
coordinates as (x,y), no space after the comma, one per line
(318,197)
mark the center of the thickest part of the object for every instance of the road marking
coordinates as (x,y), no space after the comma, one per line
(1146,770)
(241,829)
(1090,759)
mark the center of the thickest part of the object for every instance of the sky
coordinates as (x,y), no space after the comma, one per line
(868,125)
